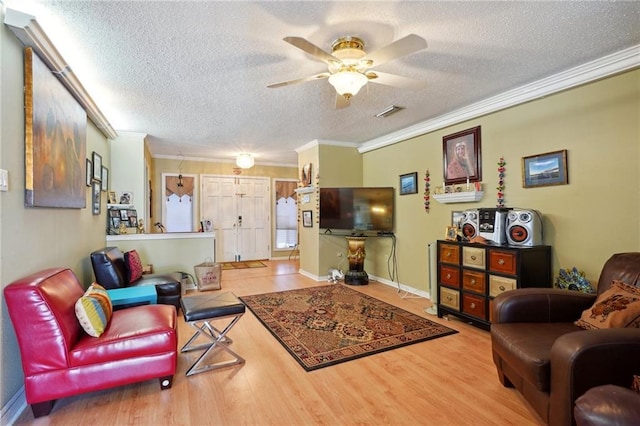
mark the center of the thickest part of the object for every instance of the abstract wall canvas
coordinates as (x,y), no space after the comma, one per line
(55,140)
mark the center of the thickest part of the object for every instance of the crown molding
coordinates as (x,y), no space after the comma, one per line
(318,142)
(606,66)
(219,160)
(28,31)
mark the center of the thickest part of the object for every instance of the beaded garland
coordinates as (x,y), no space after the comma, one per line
(500,187)
(426,191)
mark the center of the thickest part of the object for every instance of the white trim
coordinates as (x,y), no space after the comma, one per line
(28,31)
(14,407)
(317,142)
(401,287)
(615,63)
(220,160)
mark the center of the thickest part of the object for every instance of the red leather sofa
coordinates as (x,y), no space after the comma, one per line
(59,359)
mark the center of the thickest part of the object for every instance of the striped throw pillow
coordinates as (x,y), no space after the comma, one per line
(94,310)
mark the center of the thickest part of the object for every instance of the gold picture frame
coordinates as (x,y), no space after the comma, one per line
(451,233)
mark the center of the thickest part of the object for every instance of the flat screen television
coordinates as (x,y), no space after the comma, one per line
(356,209)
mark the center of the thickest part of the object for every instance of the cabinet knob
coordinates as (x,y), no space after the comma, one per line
(448,254)
(502,288)
(500,261)
(473,257)
(448,276)
(449,298)
(473,281)
(473,305)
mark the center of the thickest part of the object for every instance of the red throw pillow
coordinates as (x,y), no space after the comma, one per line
(134,265)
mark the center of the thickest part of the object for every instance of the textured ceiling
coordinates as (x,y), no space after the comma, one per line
(193,75)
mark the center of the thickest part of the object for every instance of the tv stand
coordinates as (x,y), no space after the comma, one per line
(356,274)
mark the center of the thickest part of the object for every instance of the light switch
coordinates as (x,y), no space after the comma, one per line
(4,180)
(305,199)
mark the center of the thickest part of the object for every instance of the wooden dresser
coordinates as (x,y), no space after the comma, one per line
(471,275)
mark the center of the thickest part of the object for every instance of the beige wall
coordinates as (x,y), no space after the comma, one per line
(32,239)
(164,165)
(308,237)
(586,221)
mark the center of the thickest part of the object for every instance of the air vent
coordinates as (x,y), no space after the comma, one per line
(388,111)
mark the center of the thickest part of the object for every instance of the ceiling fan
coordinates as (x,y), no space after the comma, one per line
(350,67)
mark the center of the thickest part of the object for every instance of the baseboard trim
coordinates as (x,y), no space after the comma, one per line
(14,408)
(384,281)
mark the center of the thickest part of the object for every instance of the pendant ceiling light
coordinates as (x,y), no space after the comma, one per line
(245,160)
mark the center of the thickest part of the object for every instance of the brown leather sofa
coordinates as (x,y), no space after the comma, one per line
(608,405)
(537,348)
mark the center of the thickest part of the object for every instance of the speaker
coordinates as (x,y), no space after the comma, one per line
(524,228)
(470,223)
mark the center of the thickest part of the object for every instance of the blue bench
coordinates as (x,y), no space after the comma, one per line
(133,296)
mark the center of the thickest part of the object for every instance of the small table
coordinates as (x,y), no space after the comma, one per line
(127,297)
(199,312)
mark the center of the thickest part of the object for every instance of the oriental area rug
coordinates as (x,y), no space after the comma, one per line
(327,325)
(243,265)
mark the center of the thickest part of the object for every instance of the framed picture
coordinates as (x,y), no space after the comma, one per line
(451,233)
(207,225)
(133,219)
(88,173)
(96,196)
(462,160)
(111,197)
(55,139)
(126,197)
(545,169)
(105,179)
(307,218)
(409,183)
(124,214)
(305,176)
(456,218)
(97,166)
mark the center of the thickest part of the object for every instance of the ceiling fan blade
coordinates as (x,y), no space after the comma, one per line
(395,80)
(405,46)
(342,102)
(311,49)
(300,80)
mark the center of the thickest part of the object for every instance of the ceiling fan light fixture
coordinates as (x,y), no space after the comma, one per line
(245,160)
(348,82)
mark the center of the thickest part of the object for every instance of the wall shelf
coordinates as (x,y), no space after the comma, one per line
(305,190)
(459,197)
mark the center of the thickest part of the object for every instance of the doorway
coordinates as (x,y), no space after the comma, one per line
(238,208)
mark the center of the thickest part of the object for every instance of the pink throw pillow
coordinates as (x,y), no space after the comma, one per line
(134,265)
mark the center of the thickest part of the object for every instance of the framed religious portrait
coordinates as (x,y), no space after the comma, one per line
(462,159)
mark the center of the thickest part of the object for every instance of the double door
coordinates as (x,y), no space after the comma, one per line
(239,210)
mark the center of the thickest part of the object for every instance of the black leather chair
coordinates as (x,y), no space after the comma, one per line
(111,273)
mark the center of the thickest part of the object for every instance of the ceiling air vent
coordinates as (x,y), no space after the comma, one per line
(388,111)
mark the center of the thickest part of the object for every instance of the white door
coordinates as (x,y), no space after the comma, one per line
(239,210)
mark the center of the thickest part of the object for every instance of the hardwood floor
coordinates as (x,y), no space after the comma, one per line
(446,381)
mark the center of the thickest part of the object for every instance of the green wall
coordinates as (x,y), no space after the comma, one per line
(586,221)
(32,239)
